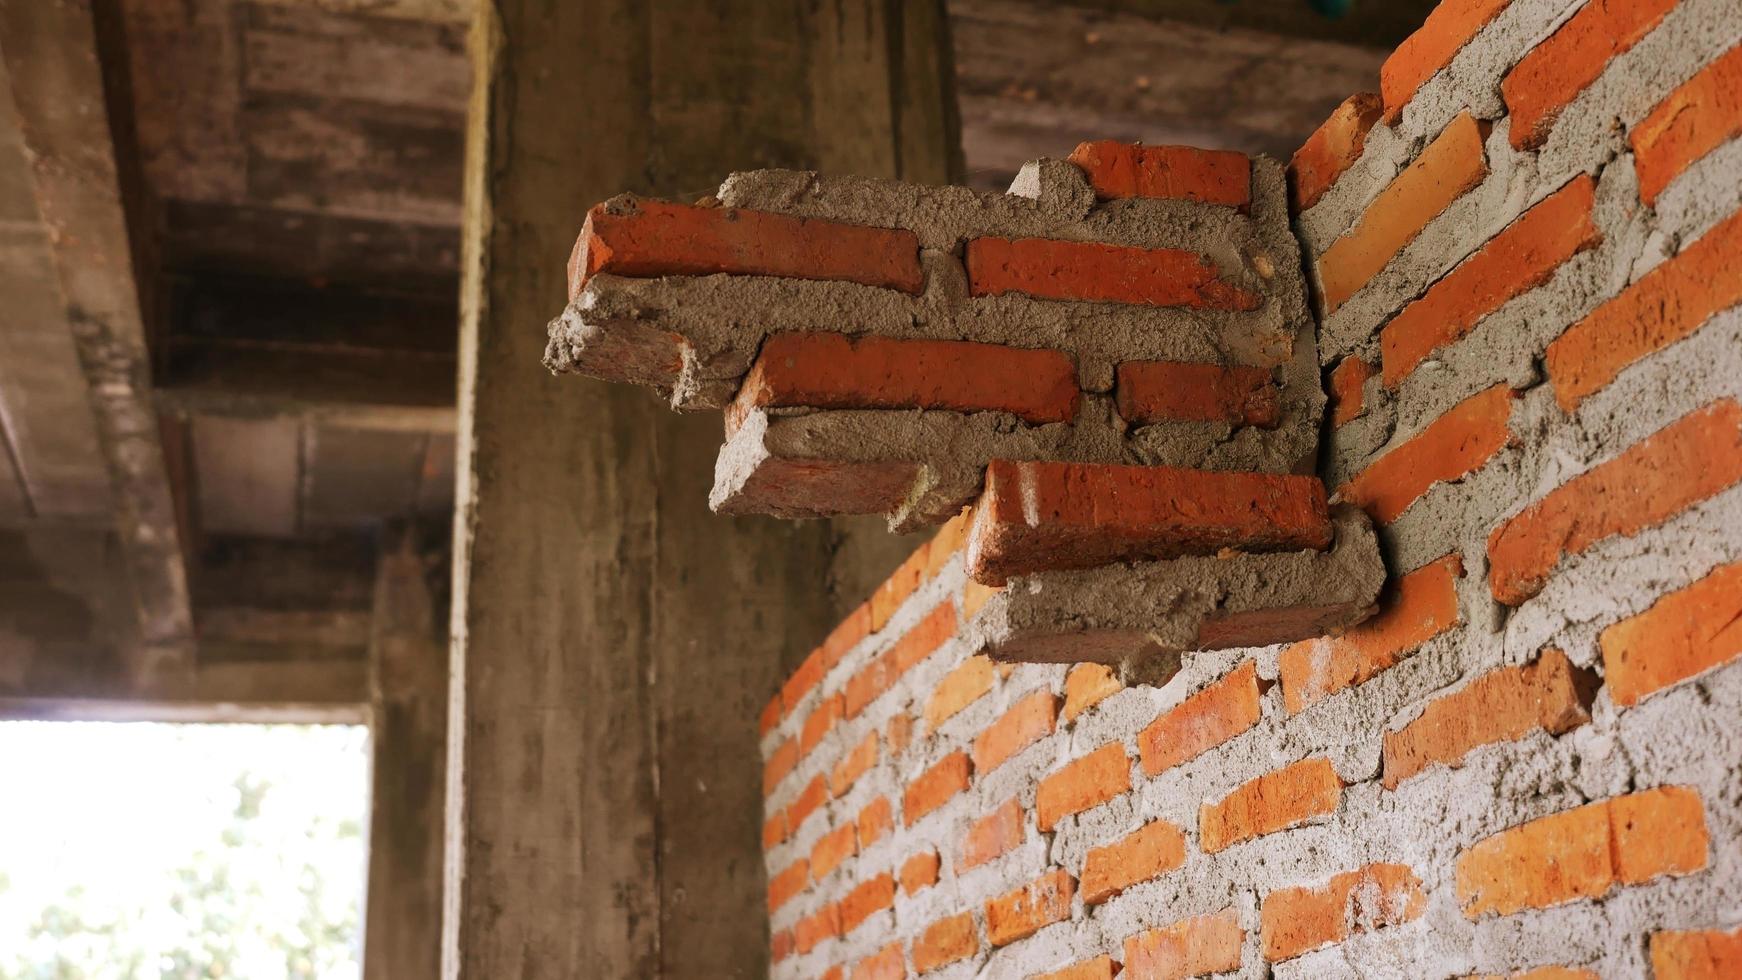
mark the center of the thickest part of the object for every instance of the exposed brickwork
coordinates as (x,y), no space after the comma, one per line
(1696,118)
(960,688)
(1164,391)
(875,822)
(946,941)
(1297,920)
(1274,801)
(1086,686)
(1453,446)
(865,900)
(935,786)
(1557,70)
(1026,910)
(831,849)
(1192,947)
(1083,784)
(853,765)
(1703,955)
(1028,721)
(1119,170)
(992,836)
(1331,149)
(1682,635)
(919,872)
(1099,968)
(1449,27)
(886,964)
(1201,722)
(1154,849)
(1049,269)
(1348,401)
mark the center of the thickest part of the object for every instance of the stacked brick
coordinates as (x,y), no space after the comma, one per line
(1523,261)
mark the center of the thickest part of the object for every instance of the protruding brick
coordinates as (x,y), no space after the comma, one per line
(1099,968)
(1180,391)
(1201,722)
(1705,112)
(1522,257)
(1666,304)
(1092,271)
(1451,447)
(885,964)
(1416,608)
(865,900)
(1151,851)
(1086,686)
(1676,467)
(1552,75)
(1194,947)
(815,929)
(914,646)
(1682,635)
(1119,170)
(1452,164)
(992,836)
(1432,47)
(1050,515)
(1298,920)
(779,762)
(946,941)
(819,723)
(1499,706)
(959,688)
(1331,149)
(1705,955)
(1274,801)
(630,236)
(1584,852)
(1347,395)
(919,871)
(788,883)
(875,820)
(935,786)
(1028,721)
(854,764)
(809,799)
(1022,913)
(1083,784)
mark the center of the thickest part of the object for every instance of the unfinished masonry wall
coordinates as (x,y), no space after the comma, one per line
(1525,257)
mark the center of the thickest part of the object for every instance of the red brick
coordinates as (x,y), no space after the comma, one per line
(781,945)
(1348,399)
(808,675)
(1666,304)
(1707,955)
(814,930)
(1331,149)
(1451,447)
(853,765)
(1201,722)
(813,796)
(1415,608)
(770,716)
(1028,721)
(865,900)
(1298,920)
(935,787)
(913,647)
(1025,911)
(1682,635)
(946,941)
(834,973)
(959,688)
(810,488)
(1099,968)
(1151,851)
(1676,467)
(780,762)
(819,723)
(1050,269)
(630,236)
(1705,112)
(1499,706)
(1547,80)
(1274,801)
(1086,686)
(885,964)
(1193,947)
(991,836)
(1082,784)
(895,589)
(788,883)
(1450,26)
(919,871)
(1169,391)
(774,830)
(1049,515)
(1119,170)
(875,820)
(1584,852)
(1452,164)
(1522,257)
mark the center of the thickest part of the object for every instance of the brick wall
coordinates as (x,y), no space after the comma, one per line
(1524,261)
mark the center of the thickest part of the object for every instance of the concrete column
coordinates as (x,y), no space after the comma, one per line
(614,641)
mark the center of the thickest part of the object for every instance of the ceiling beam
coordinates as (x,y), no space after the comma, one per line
(1371,23)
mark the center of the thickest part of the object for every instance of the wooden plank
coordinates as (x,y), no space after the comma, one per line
(336,56)
(287,243)
(359,389)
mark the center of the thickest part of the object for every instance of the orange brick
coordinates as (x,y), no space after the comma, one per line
(885,964)
(1584,852)
(1552,75)
(974,597)
(1499,706)
(1028,721)
(770,716)
(1025,911)
(914,646)
(1451,447)
(1201,722)
(1151,851)
(1694,120)
(1432,47)
(630,236)
(788,883)
(1169,391)
(935,787)
(949,540)
(1050,269)
(774,830)
(1452,164)
(1331,149)
(1083,784)
(894,590)
(1540,973)
(1193,947)
(1119,170)
(855,764)
(991,836)
(780,945)
(1099,968)
(1683,634)
(1086,686)
(780,762)
(1679,465)
(1707,955)
(808,675)
(819,723)
(814,795)
(814,930)
(1666,304)
(846,634)
(1299,920)
(959,688)
(834,973)
(1522,257)
(946,941)
(1042,516)
(898,734)
(1348,399)
(1415,608)
(865,900)
(919,871)
(875,820)
(1274,801)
